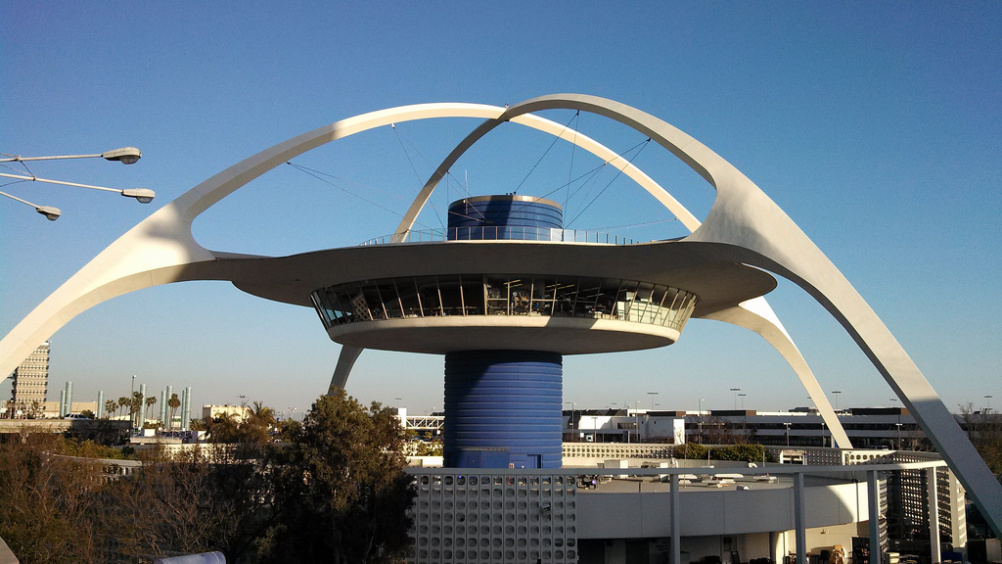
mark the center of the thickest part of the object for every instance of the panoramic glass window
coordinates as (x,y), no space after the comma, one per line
(504,294)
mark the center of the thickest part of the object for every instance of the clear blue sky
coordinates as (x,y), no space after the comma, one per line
(876,126)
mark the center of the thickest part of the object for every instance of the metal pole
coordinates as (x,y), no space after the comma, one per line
(799,517)
(132,402)
(935,546)
(675,557)
(873,498)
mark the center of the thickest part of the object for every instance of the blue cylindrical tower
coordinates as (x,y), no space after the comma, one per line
(522,218)
(503,408)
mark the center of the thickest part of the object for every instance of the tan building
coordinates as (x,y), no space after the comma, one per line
(31,379)
(238,412)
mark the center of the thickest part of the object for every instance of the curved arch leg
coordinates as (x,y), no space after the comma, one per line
(754,230)
(345,362)
(756,315)
(759,317)
(161,248)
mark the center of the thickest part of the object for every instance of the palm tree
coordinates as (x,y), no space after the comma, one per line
(135,407)
(173,403)
(109,407)
(150,402)
(122,402)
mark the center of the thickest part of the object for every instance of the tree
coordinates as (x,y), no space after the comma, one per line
(150,402)
(122,402)
(985,431)
(136,407)
(340,491)
(173,403)
(46,501)
(109,407)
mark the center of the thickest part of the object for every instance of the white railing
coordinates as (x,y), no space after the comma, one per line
(503,233)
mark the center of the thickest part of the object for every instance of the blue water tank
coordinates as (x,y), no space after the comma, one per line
(510,216)
(503,400)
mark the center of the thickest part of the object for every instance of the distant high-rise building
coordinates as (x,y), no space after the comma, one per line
(31,378)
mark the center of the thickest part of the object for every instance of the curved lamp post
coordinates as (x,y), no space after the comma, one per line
(124,155)
(143,195)
(49,212)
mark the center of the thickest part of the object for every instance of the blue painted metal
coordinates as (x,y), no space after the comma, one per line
(503,400)
(503,217)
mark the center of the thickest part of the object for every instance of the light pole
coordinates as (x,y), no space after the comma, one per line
(735,390)
(652,394)
(142,195)
(570,421)
(742,396)
(49,212)
(132,403)
(699,421)
(836,393)
(124,155)
(636,417)
(988,404)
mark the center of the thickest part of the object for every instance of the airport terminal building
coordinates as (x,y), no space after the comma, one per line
(505,291)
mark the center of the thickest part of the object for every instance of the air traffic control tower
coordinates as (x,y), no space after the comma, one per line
(504,296)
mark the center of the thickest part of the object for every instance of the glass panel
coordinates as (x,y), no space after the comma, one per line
(388,294)
(567,293)
(643,302)
(655,312)
(452,301)
(496,287)
(407,293)
(354,295)
(329,300)
(321,310)
(672,301)
(473,294)
(543,293)
(428,287)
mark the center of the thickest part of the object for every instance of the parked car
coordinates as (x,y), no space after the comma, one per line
(77,416)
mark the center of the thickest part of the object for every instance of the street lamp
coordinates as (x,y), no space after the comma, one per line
(49,212)
(735,390)
(742,396)
(142,195)
(570,422)
(125,155)
(652,394)
(988,404)
(836,393)
(132,402)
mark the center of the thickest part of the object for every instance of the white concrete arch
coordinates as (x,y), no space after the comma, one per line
(756,315)
(759,233)
(161,248)
(179,248)
(743,221)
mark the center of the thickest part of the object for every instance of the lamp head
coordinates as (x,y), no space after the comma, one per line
(125,155)
(143,195)
(49,212)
